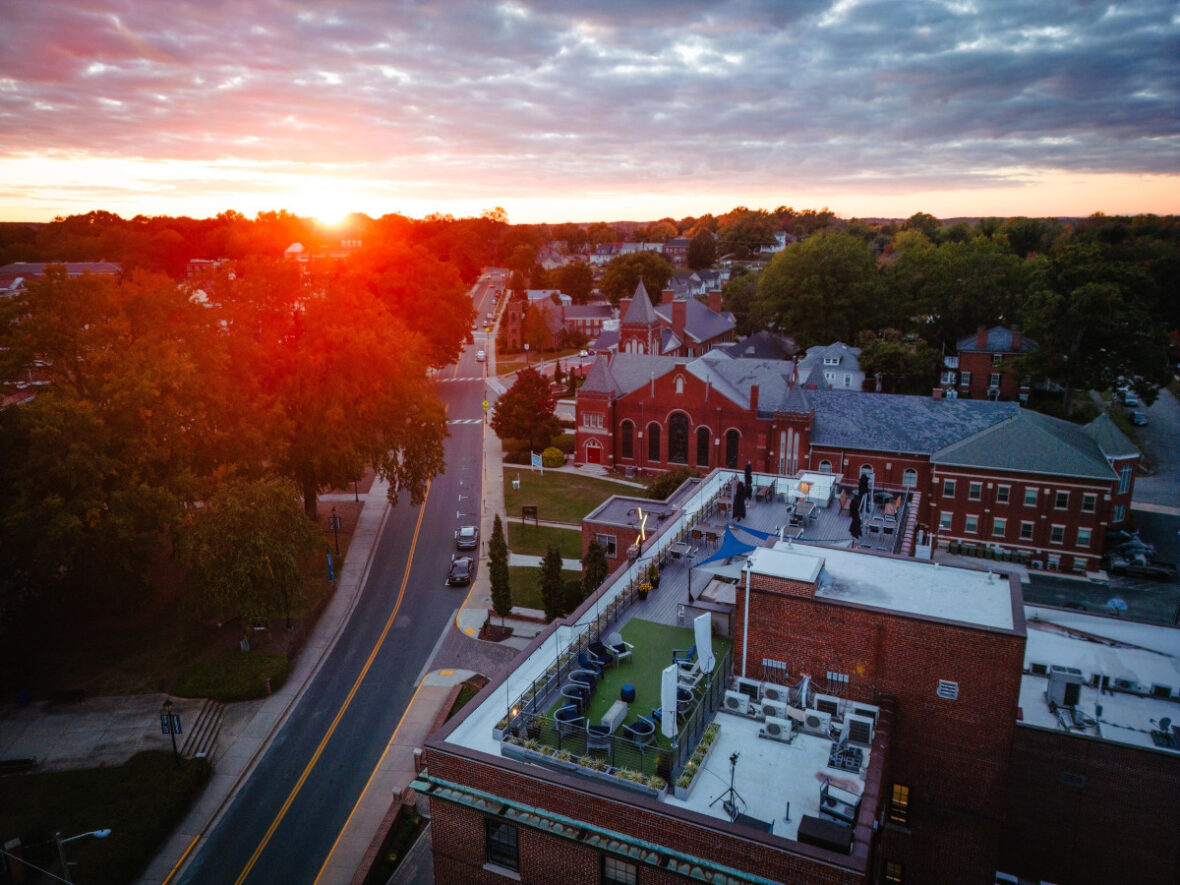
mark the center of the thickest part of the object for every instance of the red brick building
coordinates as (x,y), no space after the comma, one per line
(676,327)
(643,413)
(987,367)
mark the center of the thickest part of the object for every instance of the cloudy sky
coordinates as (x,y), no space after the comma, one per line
(586,110)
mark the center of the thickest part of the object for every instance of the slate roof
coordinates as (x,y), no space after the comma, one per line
(640,311)
(700,323)
(762,345)
(606,340)
(599,379)
(588,312)
(847,355)
(1029,442)
(1110,439)
(999,340)
(29,269)
(888,422)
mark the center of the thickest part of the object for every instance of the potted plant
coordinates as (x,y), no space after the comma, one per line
(643,589)
(653,574)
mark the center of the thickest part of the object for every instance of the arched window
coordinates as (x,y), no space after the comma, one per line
(825,466)
(909,479)
(653,442)
(867,470)
(732,438)
(703,440)
(627,440)
(678,438)
(680,384)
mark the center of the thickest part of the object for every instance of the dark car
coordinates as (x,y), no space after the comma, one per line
(1153,569)
(1139,419)
(462,571)
(467,537)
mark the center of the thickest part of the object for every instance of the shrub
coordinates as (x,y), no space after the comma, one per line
(552,457)
(565,442)
(516,457)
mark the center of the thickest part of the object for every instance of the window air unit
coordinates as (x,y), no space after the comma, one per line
(825,703)
(773,692)
(858,730)
(774,708)
(776,729)
(736,702)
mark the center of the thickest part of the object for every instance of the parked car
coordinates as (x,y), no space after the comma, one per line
(467,537)
(1130,399)
(1139,419)
(462,571)
(480,355)
(583,353)
(1153,569)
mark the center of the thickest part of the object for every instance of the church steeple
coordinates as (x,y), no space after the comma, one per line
(639,329)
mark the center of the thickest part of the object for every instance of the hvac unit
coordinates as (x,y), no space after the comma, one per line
(867,712)
(736,702)
(751,688)
(826,703)
(1065,686)
(858,730)
(817,722)
(776,729)
(772,691)
(774,708)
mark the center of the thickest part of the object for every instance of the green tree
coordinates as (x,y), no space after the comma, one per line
(498,571)
(820,290)
(702,251)
(576,280)
(244,551)
(623,274)
(660,487)
(526,410)
(739,296)
(903,366)
(552,584)
(594,568)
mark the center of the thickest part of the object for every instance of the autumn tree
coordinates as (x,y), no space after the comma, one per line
(623,274)
(526,410)
(743,232)
(245,550)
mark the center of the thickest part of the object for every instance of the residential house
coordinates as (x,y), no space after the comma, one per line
(987,364)
(836,366)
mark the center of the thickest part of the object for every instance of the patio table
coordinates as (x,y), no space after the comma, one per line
(614,717)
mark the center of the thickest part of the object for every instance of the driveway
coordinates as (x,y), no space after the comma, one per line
(1161,442)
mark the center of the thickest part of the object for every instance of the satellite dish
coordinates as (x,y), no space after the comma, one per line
(1116,605)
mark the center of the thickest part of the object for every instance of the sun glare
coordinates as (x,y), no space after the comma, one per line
(328,207)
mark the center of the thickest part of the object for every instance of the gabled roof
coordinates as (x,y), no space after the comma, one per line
(999,340)
(1029,442)
(640,311)
(845,354)
(762,345)
(889,422)
(700,323)
(1110,439)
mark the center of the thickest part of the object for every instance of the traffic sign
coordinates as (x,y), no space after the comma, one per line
(486,405)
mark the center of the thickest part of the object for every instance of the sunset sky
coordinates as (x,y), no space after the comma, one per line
(579,111)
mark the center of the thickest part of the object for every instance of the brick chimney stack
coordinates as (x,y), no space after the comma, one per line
(753,397)
(679,316)
(667,295)
(715,301)
(981,337)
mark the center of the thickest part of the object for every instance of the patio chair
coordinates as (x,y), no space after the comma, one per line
(690,678)
(620,647)
(577,695)
(684,655)
(588,678)
(587,662)
(598,738)
(601,655)
(569,720)
(642,731)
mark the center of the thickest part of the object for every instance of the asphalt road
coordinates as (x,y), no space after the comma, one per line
(284,821)
(1161,441)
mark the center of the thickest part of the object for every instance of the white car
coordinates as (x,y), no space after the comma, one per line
(480,355)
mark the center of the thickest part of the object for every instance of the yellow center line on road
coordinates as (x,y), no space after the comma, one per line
(373,774)
(315,757)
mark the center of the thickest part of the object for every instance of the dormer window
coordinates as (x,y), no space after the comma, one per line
(831,360)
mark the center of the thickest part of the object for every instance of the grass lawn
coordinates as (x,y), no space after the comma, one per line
(140,802)
(559,496)
(523,581)
(234,676)
(653,652)
(532,540)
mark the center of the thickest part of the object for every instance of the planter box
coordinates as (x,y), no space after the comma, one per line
(685,792)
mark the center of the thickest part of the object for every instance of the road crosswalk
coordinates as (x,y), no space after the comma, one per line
(465,421)
(464,378)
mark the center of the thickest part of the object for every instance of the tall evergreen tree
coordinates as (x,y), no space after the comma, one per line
(594,568)
(498,571)
(551,584)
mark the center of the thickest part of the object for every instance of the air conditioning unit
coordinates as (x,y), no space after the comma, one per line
(772,691)
(858,730)
(867,711)
(751,688)
(817,722)
(736,702)
(777,729)
(829,704)
(774,708)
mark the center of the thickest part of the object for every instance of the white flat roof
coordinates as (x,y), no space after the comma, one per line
(901,585)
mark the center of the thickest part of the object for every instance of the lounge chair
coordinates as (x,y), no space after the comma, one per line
(684,655)
(601,655)
(690,677)
(642,731)
(620,647)
(569,720)
(598,738)
(588,662)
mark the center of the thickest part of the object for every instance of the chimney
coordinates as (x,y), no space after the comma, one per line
(715,301)
(1016,337)
(937,393)
(981,337)
(679,314)
(667,295)
(753,397)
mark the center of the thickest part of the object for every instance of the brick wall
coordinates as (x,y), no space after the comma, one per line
(1085,811)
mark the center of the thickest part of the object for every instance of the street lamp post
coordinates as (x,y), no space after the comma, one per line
(336,530)
(61,852)
(170,723)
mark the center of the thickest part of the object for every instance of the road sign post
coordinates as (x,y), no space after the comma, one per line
(170,725)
